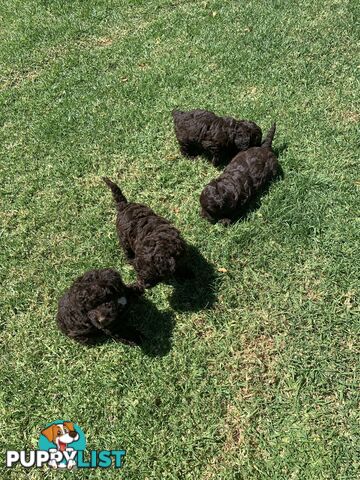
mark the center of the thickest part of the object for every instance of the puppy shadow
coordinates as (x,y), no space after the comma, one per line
(198,154)
(152,327)
(280,149)
(155,326)
(221,163)
(226,158)
(195,290)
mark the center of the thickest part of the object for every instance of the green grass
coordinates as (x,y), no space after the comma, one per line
(262,384)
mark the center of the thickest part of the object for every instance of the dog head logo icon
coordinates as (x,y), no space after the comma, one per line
(61,434)
(62,439)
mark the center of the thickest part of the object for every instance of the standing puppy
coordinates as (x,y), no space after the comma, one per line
(224,198)
(220,138)
(152,245)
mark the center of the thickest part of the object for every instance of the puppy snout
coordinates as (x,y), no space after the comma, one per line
(73,434)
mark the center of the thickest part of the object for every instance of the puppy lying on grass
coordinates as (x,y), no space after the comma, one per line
(220,138)
(95,305)
(151,244)
(225,198)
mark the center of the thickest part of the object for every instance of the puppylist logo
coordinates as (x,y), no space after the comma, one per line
(62,445)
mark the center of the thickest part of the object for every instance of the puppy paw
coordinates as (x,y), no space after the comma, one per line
(208,217)
(128,336)
(225,221)
(137,288)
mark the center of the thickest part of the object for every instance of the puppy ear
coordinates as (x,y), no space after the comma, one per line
(69,426)
(135,289)
(50,433)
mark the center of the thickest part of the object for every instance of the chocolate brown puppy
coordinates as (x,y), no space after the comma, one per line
(95,305)
(152,245)
(219,138)
(224,198)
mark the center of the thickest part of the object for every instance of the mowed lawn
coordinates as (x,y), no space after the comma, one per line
(252,372)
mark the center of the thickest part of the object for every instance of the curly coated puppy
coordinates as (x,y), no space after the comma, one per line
(95,305)
(219,138)
(152,245)
(225,197)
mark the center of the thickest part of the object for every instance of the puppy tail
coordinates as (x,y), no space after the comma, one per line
(267,142)
(117,193)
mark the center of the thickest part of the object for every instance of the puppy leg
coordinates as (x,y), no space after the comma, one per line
(136,289)
(129,253)
(225,221)
(207,216)
(216,155)
(188,150)
(216,159)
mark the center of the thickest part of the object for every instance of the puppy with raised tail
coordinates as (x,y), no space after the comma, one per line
(151,244)
(219,138)
(224,198)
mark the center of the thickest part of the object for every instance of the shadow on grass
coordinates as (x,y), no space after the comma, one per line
(222,162)
(196,290)
(146,327)
(156,327)
(280,149)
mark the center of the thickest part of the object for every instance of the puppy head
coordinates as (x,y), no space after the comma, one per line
(241,142)
(211,203)
(97,287)
(247,134)
(217,201)
(152,270)
(105,314)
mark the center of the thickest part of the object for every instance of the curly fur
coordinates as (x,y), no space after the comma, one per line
(220,138)
(224,198)
(152,245)
(94,306)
